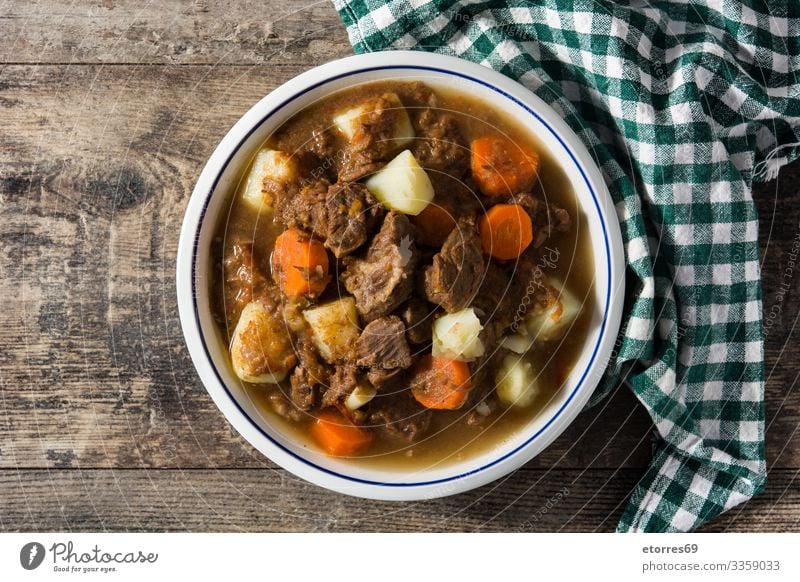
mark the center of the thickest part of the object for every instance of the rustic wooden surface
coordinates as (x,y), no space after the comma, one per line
(108,111)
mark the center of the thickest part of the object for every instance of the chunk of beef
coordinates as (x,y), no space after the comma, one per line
(386,380)
(357,166)
(354,167)
(342,382)
(417,96)
(324,146)
(309,170)
(352,215)
(302,385)
(417,314)
(453,279)
(308,377)
(373,141)
(317,148)
(560,220)
(283,406)
(305,208)
(440,147)
(383,344)
(383,280)
(309,358)
(244,279)
(547,218)
(401,416)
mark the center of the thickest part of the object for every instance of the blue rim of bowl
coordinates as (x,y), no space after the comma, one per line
(194,278)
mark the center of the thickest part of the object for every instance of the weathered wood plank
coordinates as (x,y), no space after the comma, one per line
(778,204)
(172,32)
(266,500)
(95,373)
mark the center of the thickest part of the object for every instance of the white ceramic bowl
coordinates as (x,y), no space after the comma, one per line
(224,167)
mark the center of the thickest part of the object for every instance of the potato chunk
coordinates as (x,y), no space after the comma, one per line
(457,336)
(402,185)
(403,132)
(516,382)
(519,342)
(261,348)
(272,165)
(552,321)
(334,329)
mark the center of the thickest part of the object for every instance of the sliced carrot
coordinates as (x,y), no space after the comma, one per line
(337,435)
(501,167)
(434,224)
(300,264)
(441,383)
(506,230)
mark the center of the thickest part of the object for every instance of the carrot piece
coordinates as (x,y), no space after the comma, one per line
(337,435)
(434,224)
(300,264)
(441,383)
(506,230)
(501,167)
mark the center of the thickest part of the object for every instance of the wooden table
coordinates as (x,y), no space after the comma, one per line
(108,111)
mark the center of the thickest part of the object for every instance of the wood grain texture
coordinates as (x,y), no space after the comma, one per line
(172,32)
(109,111)
(529,500)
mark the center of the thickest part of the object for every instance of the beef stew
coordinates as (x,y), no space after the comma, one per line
(402,276)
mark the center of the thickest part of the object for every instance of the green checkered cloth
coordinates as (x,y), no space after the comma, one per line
(683,105)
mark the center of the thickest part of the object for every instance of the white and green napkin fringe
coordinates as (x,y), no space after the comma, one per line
(683,105)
